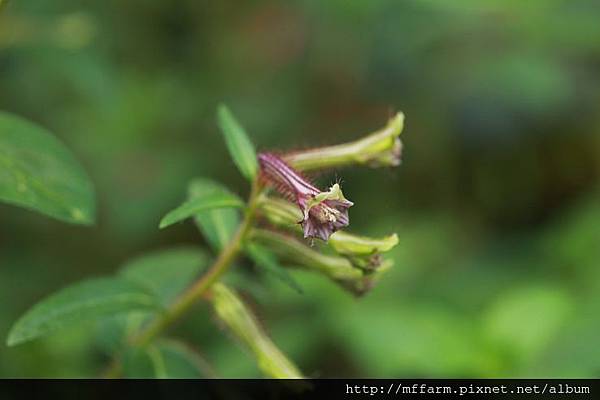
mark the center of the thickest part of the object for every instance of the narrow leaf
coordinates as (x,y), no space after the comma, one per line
(268,261)
(196,205)
(166,273)
(83,302)
(39,173)
(217,225)
(239,145)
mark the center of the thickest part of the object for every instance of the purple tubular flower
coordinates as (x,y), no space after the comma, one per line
(323,212)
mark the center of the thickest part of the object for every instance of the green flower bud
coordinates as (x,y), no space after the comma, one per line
(346,243)
(382,148)
(280,212)
(243,325)
(339,269)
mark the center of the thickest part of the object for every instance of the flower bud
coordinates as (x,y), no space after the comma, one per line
(245,328)
(345,243)
(337,268)
(382,148)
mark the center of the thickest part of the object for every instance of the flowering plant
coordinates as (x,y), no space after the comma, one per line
(286,221)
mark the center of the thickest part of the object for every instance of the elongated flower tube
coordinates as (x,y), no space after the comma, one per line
(323,213)
(381,148)
(340,269)
(237,317)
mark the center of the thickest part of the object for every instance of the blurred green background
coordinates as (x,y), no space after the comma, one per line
(497,202)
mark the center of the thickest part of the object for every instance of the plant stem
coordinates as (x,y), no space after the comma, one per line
(200,287)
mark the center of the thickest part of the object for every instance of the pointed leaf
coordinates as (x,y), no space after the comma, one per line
(199,204)
(217,225)
(83,302)
(239,145)
(166,273)
(268,261)
(39,173)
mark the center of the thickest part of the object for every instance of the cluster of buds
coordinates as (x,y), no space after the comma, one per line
(298,207)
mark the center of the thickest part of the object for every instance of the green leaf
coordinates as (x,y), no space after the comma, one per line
(38,172)
(166,273)
(199,204)
(217,225)
(137,362)
(267,260)
(239,145)
(112,333)
(164,359)
(83,302)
